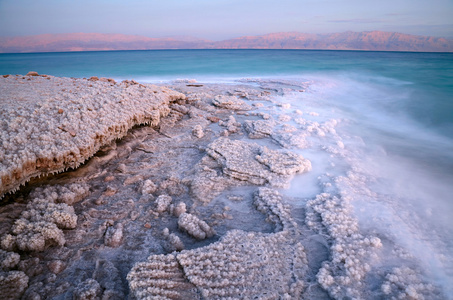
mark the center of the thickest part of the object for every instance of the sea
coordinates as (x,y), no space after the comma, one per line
(394,118)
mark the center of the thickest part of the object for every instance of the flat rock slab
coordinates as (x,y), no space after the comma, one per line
(49,124)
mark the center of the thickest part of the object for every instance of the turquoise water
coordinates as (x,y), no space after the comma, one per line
(395,112)
(426,78)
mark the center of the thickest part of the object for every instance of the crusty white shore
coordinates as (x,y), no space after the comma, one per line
(188,206)
(50,124)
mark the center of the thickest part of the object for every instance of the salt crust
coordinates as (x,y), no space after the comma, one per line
(12,284)
(342,276)
(195,227)
(8,260)
(256,164)
(405,283)
(241,163)
(49,124)
(42,221)
(241,265)
(163,203)
(230,102)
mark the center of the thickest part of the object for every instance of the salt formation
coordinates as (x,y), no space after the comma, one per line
(197,228)
(175,242)
(162,203)
(405,283)
(67,121)
(232,126)
(343,275)
(114,236)
(8,260)
(198,131)
(89,289)
(148,187)
(244,163)
(241,265)
(13,284)
(259,129)
(230,102)
(42,221)
(256,164)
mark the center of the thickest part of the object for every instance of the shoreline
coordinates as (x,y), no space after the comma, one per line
(192,206)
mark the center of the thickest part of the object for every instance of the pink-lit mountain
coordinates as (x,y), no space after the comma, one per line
(370,40)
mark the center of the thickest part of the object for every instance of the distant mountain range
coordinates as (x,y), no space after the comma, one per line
(369,40)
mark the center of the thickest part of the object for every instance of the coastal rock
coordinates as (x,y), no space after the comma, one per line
(259,129)
(198,131)
(41,223)
(256,164)
(243,163)
(8,260)
(114,236)
(195,227)
(341,276)
(38,140)
(230,102)
(162,203)
(13,284)
(241,265)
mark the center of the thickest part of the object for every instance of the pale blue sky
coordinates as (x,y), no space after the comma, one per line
(221,19)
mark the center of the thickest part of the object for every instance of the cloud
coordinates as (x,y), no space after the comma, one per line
(361,21)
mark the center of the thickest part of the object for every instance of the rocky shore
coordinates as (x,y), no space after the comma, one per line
(137,191)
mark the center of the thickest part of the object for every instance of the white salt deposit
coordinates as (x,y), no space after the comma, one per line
(216,202)
(50,124)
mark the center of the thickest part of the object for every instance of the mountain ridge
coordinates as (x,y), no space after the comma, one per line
(349,40)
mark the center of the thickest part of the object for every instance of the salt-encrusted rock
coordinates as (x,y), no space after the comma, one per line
(148,187)
(243,163)
(256,164)
(241,265)
(32,236)
(12,284)
(179,209)
(32,73)
(109,279)
(406,283)
(341,276)
(56,266)
(38,139)
(8,260)
(198,131)
(114,236)
(259,129)
(231,125)
(162,203)
(41,223)
(59,214)
(230,102)
(160,277)
(270,203)
(89,289)
(174,241)
(283,162)
(69,193)
(197,228)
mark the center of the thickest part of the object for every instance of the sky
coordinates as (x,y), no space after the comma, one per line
(223,19)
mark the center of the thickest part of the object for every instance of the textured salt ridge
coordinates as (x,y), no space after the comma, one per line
(329,214)
(50,124)
(244,163)
(241,265)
